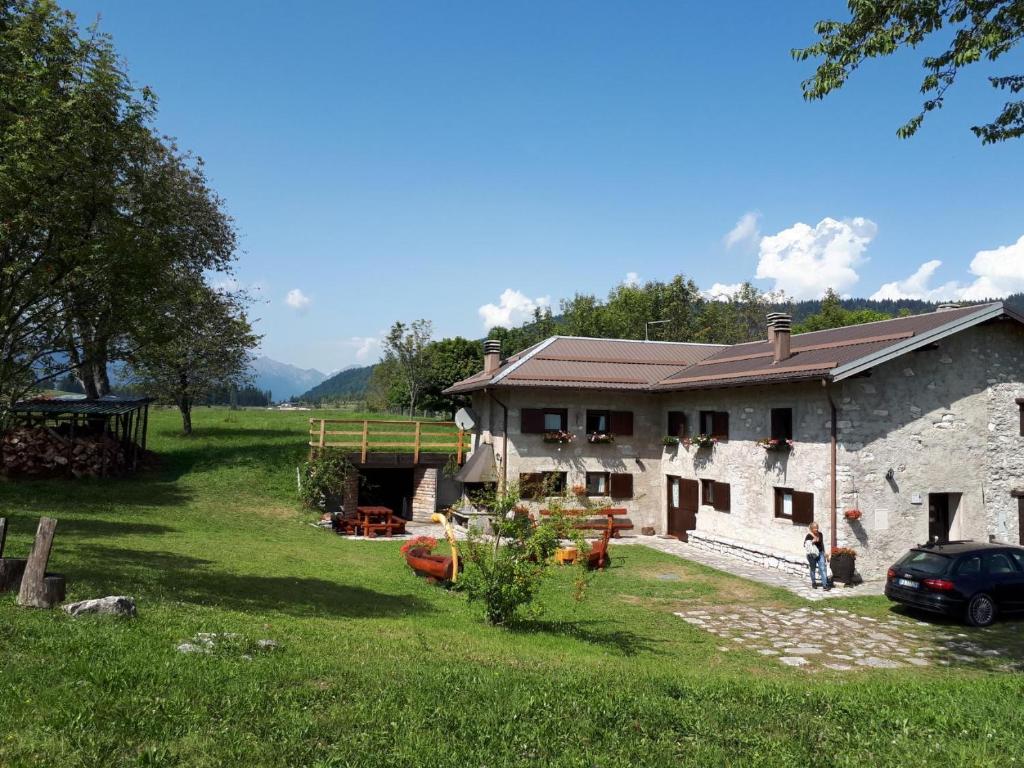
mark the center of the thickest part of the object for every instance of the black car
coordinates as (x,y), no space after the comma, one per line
(964,579)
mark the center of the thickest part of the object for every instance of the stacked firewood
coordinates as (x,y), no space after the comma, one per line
(44,451)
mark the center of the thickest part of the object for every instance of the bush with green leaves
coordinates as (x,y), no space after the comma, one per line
(324,476)
(504,571)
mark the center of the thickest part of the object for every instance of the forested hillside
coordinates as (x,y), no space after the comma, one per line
(350,384)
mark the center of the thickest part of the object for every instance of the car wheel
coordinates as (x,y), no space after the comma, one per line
(981,611)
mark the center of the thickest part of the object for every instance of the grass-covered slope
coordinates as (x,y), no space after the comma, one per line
(378,668)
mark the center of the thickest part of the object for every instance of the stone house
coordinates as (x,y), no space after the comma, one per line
(916,423)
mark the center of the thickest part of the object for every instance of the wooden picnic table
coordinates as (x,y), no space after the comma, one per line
(373,520)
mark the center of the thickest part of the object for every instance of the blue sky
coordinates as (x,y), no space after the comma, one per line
(463,161)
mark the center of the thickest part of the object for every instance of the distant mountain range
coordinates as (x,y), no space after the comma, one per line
(284,380)
(348,384)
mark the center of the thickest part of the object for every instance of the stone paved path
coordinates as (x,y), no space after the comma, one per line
(830,638)
(735,566)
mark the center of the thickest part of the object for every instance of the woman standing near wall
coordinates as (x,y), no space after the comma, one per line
(814,545)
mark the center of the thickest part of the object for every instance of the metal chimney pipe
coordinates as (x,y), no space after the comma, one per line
(772,317)
(781,338)
(492,355)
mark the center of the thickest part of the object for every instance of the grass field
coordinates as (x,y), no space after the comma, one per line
(377,668)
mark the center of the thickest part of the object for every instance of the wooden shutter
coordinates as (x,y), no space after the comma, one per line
(676,424)
(723,498)
(803,508)
(620,485)
(720,425)
(532,422)
(621,422)
(690,495)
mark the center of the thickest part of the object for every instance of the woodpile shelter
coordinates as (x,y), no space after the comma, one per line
(75,436)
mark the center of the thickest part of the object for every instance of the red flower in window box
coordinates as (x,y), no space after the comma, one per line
(852,514)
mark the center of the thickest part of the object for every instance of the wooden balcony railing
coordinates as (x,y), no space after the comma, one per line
(367,435)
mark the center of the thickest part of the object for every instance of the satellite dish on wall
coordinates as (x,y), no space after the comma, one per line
(465,419)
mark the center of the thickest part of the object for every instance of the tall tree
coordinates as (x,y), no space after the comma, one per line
(201,342)
(981,30)
(405,348)
(832,314)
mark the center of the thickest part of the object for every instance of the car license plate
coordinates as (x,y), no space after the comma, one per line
(907,583)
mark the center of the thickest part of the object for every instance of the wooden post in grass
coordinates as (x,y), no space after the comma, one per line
(11,568)
(40,589)
(3,535)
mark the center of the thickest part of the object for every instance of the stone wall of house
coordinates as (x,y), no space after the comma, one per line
(941,420)
(638,455)
(752,472)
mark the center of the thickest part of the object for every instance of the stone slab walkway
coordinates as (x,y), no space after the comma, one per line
(737,567)
(830,638)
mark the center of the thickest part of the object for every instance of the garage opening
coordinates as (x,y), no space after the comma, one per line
(390,487)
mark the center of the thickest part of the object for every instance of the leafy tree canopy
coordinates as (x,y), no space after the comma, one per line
(974,30)
(832,314)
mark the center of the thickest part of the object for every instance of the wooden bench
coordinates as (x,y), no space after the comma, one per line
(598,556)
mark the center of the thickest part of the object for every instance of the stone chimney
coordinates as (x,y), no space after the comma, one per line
(781,337)
(772,317)
(492,355)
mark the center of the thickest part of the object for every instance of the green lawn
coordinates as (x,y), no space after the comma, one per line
(378,668)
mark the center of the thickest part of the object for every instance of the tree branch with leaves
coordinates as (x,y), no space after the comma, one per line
(982,30)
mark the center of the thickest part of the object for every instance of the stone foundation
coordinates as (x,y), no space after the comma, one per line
(749,553)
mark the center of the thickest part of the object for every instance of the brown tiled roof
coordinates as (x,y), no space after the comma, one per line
(568,361)
(663,366)
(813,355)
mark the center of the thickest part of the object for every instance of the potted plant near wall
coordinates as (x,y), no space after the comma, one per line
(775,444)
(852,515)
(601,437)
(670,441)
(843,563)
(559,436)
(700,441)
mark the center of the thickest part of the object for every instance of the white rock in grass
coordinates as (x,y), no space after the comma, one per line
(114,605)
(192,648)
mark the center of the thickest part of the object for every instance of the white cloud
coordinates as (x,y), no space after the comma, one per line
(297,300)
(917,286)
(997,273)
(632,279)
(804,261)
(366,347)
(745,231)
(722,291)
(514,307)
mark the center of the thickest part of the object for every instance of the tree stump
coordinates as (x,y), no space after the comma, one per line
(11,571)
(35,592)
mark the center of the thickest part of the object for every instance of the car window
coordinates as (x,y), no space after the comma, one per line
(1019,557)
(997,563)
(969,566)
(925,562)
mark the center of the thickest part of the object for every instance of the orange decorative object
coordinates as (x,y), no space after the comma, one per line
(852,514)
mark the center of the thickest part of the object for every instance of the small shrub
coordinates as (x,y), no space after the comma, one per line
(324,476)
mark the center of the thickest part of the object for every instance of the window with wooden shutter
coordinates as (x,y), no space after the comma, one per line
(715,494)
(793,505)
(535,421)
(621,485)
(676,424)
(597,483)
(531,421)
(539,485)
(598,422)
(707,492)
(715,424)
(723,497)
(622,422)
(782,424)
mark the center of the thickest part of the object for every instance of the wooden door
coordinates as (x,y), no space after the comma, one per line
(683,502)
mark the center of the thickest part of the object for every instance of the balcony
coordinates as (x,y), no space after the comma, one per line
(413,440)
